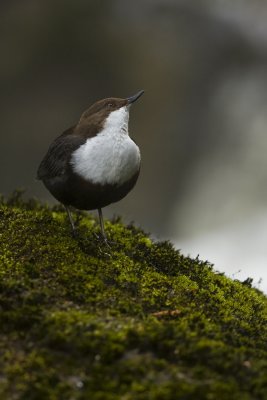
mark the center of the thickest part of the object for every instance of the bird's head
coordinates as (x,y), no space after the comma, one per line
(112,111)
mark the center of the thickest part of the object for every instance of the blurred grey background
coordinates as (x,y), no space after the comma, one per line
(201,125)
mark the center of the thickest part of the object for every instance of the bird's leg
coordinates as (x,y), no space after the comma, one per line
(71,221)
(102,226)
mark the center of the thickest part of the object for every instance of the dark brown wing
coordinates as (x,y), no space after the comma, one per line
(56,160)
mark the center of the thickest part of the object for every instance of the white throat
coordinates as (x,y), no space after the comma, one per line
(118,120)
(111,157)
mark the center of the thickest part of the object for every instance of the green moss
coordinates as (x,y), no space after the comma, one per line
(79,320)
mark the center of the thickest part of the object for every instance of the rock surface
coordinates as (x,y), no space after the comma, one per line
(138,320)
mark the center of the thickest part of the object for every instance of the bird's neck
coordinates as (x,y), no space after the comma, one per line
(117,122)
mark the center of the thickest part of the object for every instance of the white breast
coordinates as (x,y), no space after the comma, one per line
(111,157)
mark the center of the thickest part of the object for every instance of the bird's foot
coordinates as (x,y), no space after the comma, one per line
(106,242)
(104,246)
(102,238)
(74,233)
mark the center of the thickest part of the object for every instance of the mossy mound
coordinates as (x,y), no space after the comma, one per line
(137,321)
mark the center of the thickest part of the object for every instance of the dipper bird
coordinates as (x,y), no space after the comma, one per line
(94,163)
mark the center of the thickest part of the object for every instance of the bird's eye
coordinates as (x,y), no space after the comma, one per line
(110,105)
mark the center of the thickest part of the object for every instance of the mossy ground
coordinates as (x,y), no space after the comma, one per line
(137,321)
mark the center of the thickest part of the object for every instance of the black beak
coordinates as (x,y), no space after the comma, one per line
(135,97)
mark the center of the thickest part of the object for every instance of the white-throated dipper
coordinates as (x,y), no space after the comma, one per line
(94,163)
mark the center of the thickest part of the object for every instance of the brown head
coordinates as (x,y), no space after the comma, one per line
(93,119)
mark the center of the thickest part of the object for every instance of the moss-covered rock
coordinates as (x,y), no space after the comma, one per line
(79,320)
